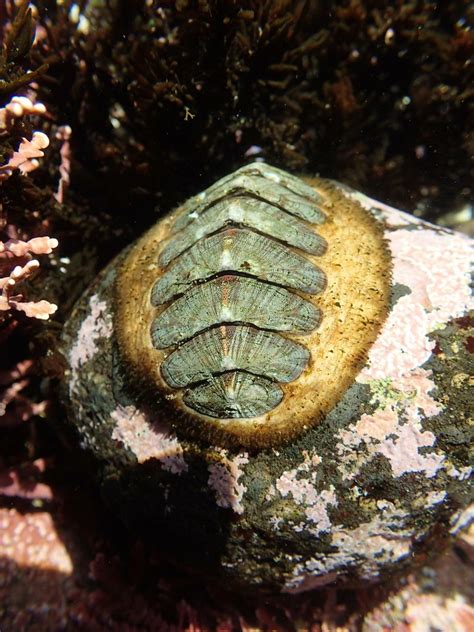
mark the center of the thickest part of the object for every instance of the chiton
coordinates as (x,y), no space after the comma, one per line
(246,313)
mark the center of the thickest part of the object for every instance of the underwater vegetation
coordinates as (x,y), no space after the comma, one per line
(111,113)
(165,97)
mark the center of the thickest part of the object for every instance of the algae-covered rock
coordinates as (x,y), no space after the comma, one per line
(363,463)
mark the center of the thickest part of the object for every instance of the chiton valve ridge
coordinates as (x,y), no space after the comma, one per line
(244,315)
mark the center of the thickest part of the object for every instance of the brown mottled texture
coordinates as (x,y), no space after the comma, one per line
(16,40)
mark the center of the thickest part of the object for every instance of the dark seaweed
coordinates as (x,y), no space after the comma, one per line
(164,99)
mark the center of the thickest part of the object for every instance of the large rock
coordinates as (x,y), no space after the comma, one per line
(374,474)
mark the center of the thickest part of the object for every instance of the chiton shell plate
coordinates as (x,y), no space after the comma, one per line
(247,312)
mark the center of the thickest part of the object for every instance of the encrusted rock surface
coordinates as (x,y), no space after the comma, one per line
(382,479)
(57,574)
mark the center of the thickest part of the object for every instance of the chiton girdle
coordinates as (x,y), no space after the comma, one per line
(231,310)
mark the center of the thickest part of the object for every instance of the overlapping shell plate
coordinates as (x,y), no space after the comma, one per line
(221,305)
(225,278)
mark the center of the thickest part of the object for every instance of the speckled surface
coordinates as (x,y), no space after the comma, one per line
(358,496)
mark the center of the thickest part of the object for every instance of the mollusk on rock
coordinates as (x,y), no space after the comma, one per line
(219,307)
(273,381)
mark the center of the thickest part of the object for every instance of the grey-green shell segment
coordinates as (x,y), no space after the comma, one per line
(234,395)
(229,348)
(242,251)
(268,190)
(252,213)
(233,299)
(231,279)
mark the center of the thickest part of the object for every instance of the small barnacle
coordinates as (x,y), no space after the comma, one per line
(254,314)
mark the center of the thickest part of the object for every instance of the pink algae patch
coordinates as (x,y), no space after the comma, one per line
(402,345)
(31,540)
(377,426)
(435,267)
(147,440)
(97,325)
(419,385)
(224,481)
(314,502)
(291,483)
(395,429)
(409,394)
(381,543)
(442,263)
(432,612)
(403,451)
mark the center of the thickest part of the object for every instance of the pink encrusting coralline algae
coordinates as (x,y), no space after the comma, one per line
(17,262)
(224,480)
(147,440)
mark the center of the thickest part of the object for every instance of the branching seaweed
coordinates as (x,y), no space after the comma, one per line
(17,42)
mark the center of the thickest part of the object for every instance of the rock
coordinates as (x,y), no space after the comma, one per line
(60,574)
(349,486)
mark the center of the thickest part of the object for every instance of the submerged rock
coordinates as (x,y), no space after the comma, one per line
(357,457)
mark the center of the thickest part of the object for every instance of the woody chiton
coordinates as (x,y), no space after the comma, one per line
(221,307)
(272,383)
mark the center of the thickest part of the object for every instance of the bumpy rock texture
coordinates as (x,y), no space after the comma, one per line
(357,496)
